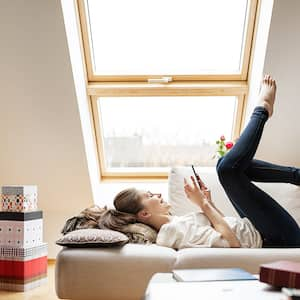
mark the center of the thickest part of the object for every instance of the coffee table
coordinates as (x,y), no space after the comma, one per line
(162,286)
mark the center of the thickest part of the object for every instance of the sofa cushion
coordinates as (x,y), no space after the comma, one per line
(245,258)
(93,238)
(110,273)
(287,195)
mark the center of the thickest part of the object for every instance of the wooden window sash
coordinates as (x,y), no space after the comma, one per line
(242,75)
(153,175)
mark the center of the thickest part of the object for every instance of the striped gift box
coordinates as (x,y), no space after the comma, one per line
(22,275)
(23,254)
(19,198)
(21,229)
(17,287)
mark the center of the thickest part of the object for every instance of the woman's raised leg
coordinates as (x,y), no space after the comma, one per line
(243,151)
(263,171)
(274,223)
(276,226)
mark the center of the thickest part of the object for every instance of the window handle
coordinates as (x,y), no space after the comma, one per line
(163,79)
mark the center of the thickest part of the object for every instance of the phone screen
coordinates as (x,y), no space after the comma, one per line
(196,177)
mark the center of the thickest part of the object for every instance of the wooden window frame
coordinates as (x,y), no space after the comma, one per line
(98,78)
(181,85)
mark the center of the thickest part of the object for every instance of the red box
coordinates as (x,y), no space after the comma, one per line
(281,274)
(23,275)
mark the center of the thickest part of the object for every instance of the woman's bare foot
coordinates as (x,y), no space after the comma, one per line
(267,94)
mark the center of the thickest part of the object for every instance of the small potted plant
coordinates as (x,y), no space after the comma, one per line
(223,146)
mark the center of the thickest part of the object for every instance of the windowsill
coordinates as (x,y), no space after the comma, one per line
(133,180)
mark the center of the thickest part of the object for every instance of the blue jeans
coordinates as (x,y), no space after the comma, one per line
(236,171)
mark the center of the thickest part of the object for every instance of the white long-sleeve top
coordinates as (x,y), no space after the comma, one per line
(195,230)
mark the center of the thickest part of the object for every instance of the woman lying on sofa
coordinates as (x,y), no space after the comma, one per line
(263,222)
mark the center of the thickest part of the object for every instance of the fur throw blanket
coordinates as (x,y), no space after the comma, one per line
(138,233)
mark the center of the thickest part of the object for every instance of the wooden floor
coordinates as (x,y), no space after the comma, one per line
(44,292)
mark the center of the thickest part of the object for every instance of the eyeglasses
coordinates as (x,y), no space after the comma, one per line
(150,195)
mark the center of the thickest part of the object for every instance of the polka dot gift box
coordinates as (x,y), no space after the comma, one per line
(19,198)
(19,229)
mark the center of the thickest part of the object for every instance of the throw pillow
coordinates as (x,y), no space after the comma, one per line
(84,238)
(287,195)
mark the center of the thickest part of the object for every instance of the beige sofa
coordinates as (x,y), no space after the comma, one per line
(123,273)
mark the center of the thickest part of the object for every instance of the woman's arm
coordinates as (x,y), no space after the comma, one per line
(208,196)
(198,197)
(220,224)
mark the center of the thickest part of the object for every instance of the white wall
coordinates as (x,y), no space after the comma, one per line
(281,142)
(40,134)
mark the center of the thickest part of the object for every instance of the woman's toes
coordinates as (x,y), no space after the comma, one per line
(270,80)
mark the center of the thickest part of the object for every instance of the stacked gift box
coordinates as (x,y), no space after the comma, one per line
(23,254)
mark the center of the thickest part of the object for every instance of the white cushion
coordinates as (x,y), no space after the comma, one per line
(287,195)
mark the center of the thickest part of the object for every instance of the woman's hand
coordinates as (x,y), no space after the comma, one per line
(194,193)
(203,187)
(199,196)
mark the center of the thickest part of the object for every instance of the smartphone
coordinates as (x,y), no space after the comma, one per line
(200,183)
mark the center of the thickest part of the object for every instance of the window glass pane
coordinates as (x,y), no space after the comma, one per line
(142,37)
(154,132)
